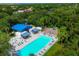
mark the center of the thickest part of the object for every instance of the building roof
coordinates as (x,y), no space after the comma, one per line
(21,27)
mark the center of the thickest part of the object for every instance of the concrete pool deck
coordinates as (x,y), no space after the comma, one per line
(34,37)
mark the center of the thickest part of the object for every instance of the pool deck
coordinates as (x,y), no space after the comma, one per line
(34,37)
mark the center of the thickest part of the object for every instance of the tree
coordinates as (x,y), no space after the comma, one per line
(4,45)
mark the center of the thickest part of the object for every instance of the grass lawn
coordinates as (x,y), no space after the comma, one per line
(53,51)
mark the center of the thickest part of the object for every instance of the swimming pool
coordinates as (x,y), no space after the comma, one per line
(35,46)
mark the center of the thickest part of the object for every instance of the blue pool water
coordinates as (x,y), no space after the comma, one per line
(35,46)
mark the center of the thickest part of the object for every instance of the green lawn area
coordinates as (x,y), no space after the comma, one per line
(54,50)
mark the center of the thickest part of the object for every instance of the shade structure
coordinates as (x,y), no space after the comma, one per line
(21,27)
(35,30)
(25,34)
